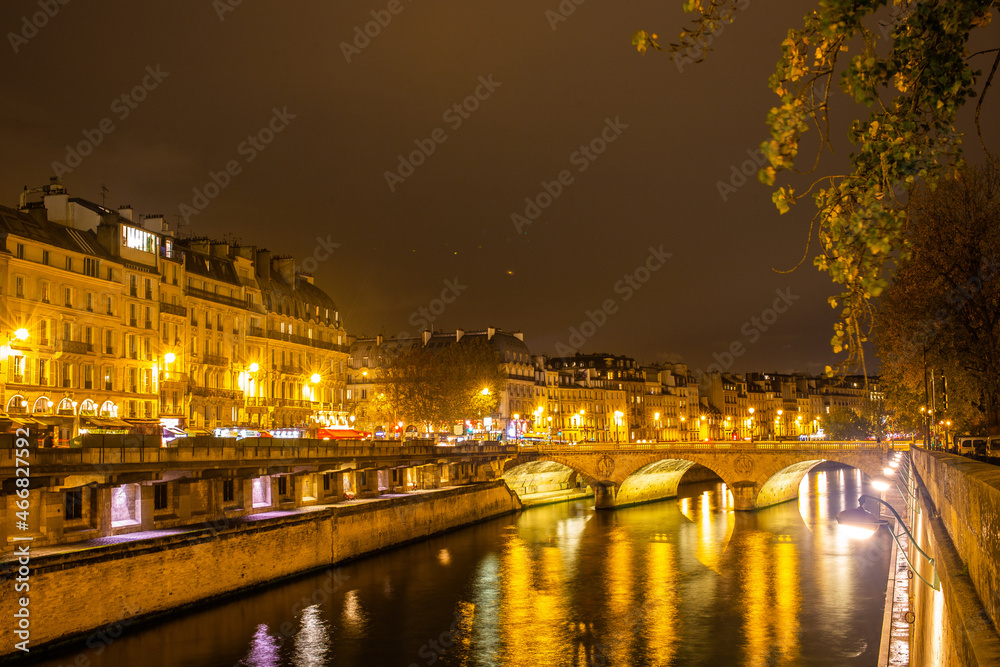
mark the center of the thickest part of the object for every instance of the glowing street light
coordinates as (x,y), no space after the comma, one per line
(485,391)
(315,379)
(169,357)
(254,367)
(21,334)
(861,524)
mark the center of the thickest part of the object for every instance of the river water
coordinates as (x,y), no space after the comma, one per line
(685,581)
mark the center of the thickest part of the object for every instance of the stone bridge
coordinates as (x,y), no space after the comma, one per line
(758,474)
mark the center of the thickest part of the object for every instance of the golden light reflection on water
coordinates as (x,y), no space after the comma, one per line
(619,596)
(756,575)
(660,619)
(714,531)
(533,609)
(787,601)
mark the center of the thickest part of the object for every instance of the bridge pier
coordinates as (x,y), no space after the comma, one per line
(605,494)
(744,496)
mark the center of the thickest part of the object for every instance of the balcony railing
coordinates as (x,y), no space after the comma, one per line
(214,360)
(291,370)
(173,376)
(217,298)
(173,309)
(74,347)
(303,340)
(211,392)
(255,331)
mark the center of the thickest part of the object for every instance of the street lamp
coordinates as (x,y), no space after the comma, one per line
(618,422)
(21,334)
(750,423)
(861,524)
(656,418)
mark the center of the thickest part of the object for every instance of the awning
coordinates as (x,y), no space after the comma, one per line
(143,422)
(103,422)
(197,431)
(24,420)
(53,420)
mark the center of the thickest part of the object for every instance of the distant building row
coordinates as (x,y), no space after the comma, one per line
(613,398)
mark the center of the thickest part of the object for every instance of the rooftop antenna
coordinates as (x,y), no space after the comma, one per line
(104,195)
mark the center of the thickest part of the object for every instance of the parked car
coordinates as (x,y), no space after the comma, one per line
(970,444)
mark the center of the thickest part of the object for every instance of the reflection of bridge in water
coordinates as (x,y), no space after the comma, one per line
(758,474)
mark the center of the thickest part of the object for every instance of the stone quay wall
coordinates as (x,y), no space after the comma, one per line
(74,593)
(961,524)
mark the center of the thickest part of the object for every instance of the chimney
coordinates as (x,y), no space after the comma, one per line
(519,335)
(379,339)
(154,223)
(263,264)
(458,334)
(126,212)
(490,332)
(202,245)
(427,336)
(284,267)
(220,249)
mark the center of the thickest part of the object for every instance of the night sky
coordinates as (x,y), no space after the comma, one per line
(671,134)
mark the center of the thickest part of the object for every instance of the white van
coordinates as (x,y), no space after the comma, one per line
(971,444)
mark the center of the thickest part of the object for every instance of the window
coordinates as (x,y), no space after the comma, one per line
(110,302)
(69,263)
(111,275)
(326,482)
(67,331)
(88,377)
(228,491)
(45,257)
(91,267)
(109,342)
(138,239)
(159,496)
(19,286)
(90,302)
(68,294)
(43,374)
(20,251)
(74,504)
(282,486)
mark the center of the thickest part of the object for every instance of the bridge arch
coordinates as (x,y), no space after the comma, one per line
(657,480)
(545,476)
(758,476)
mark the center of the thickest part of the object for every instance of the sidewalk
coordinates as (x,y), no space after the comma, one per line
(206,526)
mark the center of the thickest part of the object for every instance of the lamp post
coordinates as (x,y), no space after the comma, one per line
(618,423)
(750,424)
(861,524)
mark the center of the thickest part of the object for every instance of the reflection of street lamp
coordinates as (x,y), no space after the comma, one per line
(861,524)
(618,422)
(656,418)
